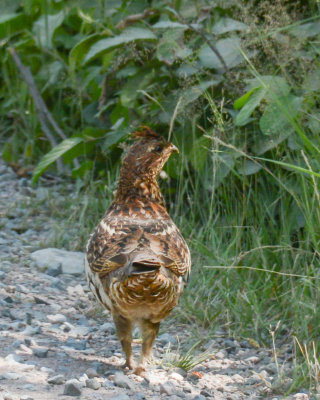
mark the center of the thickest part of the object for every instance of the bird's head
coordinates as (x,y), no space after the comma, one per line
(147,156)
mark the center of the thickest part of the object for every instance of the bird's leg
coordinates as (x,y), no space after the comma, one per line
(149,332)
(124,332)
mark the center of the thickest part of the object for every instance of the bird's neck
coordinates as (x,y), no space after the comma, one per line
(142,187)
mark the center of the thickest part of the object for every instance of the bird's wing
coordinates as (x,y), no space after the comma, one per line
(116,242)
(166,242)
(111,244)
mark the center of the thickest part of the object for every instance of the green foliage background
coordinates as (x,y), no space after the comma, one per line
(245,189)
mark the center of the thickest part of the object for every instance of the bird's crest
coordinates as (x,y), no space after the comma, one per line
(145,132)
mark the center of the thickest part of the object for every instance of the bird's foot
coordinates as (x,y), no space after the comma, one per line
(128,364)
(140,370)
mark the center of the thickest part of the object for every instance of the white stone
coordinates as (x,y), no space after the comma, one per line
(75,290)
(176,376)
(72,262)
(56,318)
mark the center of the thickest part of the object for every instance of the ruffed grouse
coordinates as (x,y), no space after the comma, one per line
(137,261)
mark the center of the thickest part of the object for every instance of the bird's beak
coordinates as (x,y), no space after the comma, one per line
(174,149)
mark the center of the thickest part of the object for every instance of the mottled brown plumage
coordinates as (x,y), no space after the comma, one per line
(137,260)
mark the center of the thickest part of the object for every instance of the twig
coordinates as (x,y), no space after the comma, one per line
(204,37)
(131,19)
(213,48)
(42,110)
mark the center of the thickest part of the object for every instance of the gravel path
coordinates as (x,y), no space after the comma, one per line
(55,342)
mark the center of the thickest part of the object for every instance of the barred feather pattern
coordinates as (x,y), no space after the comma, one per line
(137,262)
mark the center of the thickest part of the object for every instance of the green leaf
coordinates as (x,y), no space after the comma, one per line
(11,23)
(228,25)
(274,85)
(307,30)
(115,136)
(266,143)
(192,93)
(223,165)
(277,116)
(229,50)
(50,73)
(129,35)
(241,101)
(79,51)
(53,156)
(85,167)
(170,47)
(199,153)
(246,111)
(45,27)
(130,90)
(249,167)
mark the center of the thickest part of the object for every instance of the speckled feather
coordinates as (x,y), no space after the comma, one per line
(137,260)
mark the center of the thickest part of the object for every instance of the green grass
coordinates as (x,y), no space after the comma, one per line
(255,238)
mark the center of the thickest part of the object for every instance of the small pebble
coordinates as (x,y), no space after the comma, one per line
(56,318)
(40,352)
(122,380)
(57,380)
(92,373)
(120,397)
(167,388)
(93,383)
(72,388)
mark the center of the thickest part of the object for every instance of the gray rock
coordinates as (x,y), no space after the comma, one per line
(167,388)
(32,330)
(108,327)
(166,338)
(93,384)
(2,275)
(253,359)
(16,344)
(180,371)
(26,397)
(56,318)
(30,342)
(72,262)
(122,380)
(40,352)
(54,269)
(41,300)
(22,289)
(138,396)
(205,393)
(92,373)
(199,397)
(66,327)
(13,376)
(176,377)
(72,388)
(8,299)
(120,397)
(8,396)
(57,380)
(76,344)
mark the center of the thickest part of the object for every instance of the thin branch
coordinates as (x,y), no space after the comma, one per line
(214,49)
(43,112)
(204,37)
(131,19)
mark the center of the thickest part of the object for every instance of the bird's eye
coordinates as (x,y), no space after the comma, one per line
(158,148)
